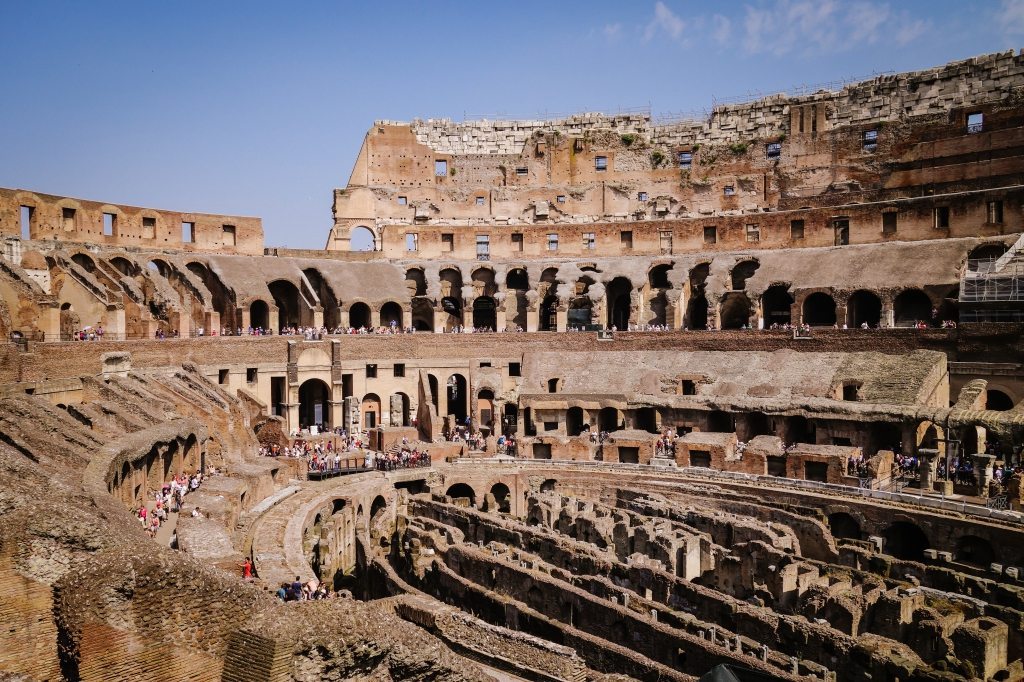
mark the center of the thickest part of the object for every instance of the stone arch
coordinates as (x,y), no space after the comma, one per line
(910,307)
(819,310)
(391,315)
(548,486)
(362,238)
(777,305)
(619,302)
(457,395)
(971,549)
(735,311)
(84,261)
(286,298)
(485,313)
(370,411)
(484,281)
(863,307)
(997,400)
(422,315)
(416,280)
(743,271)
(124,266)
(485,408)
(451,296)
(989,251)
(259,314)
(517,283)
(843,525)
(462,490)
(609,419)
(574,421)
(502,497)
(697,306)
(905,540)
(314,403)
(325,293)
(222,298)
(359,315)
(401,401)
(518,279)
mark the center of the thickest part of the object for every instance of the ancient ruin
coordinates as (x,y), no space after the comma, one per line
(594,398)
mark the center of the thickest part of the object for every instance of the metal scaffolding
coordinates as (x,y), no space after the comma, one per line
(992,289)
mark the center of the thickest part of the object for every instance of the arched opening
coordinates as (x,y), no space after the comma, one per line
(485,409)
(391,315)
(657,278)
(743,271)
(970,549)
(502,497)
(928,435)
(325,294)
(483,282)
(843,525)
(314,404)
(422,315)
(286,298)
(518,279)
(400,409)
(362,238)
(647,419)
(735,311)
(910,307)
(457,397)
(697,307)
(819,310)
(485,313)
(863,308)
(580,313)
(124,266)
(416,281)
(619,303)
(608,419)
(777,306)
(462,491)
(451,297)
(658,283)
(84,261)
(574,421)
(720,422)
(548,486)
(259,315)
(359,316)
(432,382)
(223,299)
(984,255)
(370,411)
(379,505)
(997,400)
(548,321)
(517,283)
(905,540)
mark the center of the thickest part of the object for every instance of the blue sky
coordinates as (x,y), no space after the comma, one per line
(259,108)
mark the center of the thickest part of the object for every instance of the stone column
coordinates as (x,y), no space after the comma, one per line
(439,318)
(318,317)
(983,471)
(467,312)
(561,316)
(375,317)
(888,318)
(926,468)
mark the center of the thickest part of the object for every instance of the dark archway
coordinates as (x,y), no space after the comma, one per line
(619,302)
(502,497)
(799,429)
(359,316)
(819,310)
(314,404)
(574,421)
(646,419)
(517,279)
(379,504)
(422,315)
(457,397)
(905,540)
(462,490)
(982,256)
(548,314)
(863,307)
(970,549)
(910,307)
(843,525)
(416,281)
(720,422)
(259,315)
(223,301)
(391,315)
(697,306)
(743,271)
(286,297)
(485,313)
(517,283)
(324,292)
(370,410)
(608,419)
(580,313)
(451,296)
(777,306)
(548,486)
(735,311)
(997,400)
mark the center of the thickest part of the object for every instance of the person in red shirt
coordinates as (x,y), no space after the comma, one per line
(247,569)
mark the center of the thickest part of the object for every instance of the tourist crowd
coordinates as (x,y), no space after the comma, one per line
(169,499)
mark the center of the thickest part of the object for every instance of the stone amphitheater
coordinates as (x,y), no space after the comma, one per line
(739,398)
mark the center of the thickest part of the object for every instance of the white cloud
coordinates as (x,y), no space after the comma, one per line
(612,31)
(864,20)
(665,20)
(908,30)
(1011,17)
(721,29)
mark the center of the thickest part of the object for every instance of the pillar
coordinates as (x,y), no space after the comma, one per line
(343,319)
(318,317)
(439,319)
(500,320)
(983,471)
(407,317)
(926,468)
(561,317)
(533,318)
(888,318)
(375,317)
(467,313)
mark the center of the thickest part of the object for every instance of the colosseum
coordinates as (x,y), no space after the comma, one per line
(595,398)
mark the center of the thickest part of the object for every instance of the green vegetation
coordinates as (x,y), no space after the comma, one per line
(739,148)
(628,139)
(657,158)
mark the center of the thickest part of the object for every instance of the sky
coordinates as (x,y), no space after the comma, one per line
(259,108)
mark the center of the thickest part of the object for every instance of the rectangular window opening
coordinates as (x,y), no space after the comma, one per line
(222,377)
(250,375)
(975,122)
(665,240)
(589,241)
(685,159)
(796,229)
(995,212)
(710,234)
(560,199)
(689,387)
(188,232)
(448,242)
(403,201)
(626,239)
(480,201)
(842,232)
(870,141)
(149,228)
(641,196)
(28,213)
(68,217)
(440,168)
(941,217)
(773,150)
(514,369)
(483,247)
(753,233)
(230,238)
(517,241)
(399,369)
(412,241)
(522,170)
(552,241)
(109,223)
(889,222)
(729,190)
(371,371)
(600,163)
